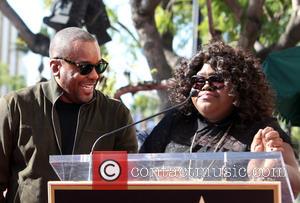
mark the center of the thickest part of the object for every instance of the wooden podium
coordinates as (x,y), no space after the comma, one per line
(176,178)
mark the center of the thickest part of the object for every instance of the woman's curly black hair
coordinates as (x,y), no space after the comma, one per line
(240,69)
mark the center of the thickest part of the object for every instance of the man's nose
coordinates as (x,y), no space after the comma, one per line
(93,74)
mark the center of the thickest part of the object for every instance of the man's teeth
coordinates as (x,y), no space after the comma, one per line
(88,86)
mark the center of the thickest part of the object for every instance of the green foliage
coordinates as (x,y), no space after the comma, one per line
(11,82)
(3,74)
(296,138)
(274,21)
(104,52)
(175,20)
(223,19)
(183,14)
(48,3)
(154,71)
(21,45)
(294,132)
(275,18)
(107,85)
(112,15)
(163,19)
(44,31)
(145,104)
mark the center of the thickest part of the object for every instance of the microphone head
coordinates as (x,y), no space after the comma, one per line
(194,92)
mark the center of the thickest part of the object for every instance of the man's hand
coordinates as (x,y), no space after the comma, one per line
(267,140)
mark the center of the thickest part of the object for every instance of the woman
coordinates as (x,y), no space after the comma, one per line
(232,110)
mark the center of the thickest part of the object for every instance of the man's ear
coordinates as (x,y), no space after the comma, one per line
(55,66)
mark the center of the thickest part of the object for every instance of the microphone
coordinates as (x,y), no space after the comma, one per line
(193,93)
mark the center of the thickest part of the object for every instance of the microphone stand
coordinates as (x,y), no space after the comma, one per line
(192,93)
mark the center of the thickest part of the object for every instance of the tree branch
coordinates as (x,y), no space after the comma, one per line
(210,19)
(235,8)
(252,24)
(143,19)
(129,32)
(145,6)
(146,86)
(150,39)
(290,37)
(172,58)
(37,43)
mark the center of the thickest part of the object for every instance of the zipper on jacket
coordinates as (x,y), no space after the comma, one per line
(78,120)
(55,133)
(76,132)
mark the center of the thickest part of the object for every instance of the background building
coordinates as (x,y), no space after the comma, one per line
(10,56)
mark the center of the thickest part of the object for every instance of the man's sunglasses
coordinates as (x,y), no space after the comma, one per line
(86,68)
(215,81)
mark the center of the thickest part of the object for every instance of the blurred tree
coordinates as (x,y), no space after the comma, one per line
(145,105)
(296,139)
(8,81)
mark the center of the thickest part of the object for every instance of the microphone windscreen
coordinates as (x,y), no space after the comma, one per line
(194,92)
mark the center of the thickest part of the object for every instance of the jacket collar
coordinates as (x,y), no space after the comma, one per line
(52,90)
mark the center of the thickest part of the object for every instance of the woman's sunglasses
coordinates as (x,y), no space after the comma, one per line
(215,81)
(86,68)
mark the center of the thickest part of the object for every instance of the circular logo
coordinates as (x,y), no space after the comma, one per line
(110,170)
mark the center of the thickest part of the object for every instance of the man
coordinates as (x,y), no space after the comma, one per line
(62,116)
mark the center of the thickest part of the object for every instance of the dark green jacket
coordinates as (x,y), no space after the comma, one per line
(30,132)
